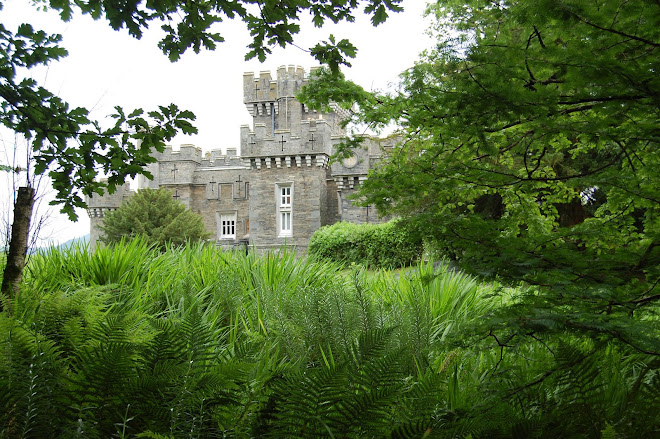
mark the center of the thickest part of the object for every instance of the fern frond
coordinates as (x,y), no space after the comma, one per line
(30,370)
(304,405)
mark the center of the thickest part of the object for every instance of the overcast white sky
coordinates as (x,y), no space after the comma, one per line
(107,68)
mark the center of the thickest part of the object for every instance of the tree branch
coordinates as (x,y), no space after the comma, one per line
(611,30)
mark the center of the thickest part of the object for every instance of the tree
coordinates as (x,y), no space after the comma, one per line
(74,149)
(156,216)
(530,154)
(65,143)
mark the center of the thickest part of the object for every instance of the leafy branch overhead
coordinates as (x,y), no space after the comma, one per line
(192,25)
(67,144)
(334,54)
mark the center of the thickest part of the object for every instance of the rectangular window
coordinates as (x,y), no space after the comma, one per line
(272,119)
(285,196)
(228,226)
(285,222)
(284,209)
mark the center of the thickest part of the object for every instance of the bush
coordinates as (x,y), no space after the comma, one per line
(155,216)
(388,245)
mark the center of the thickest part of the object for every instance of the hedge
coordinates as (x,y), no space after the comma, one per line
(387,245)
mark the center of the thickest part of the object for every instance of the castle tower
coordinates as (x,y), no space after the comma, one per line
(176,170)
(287,150)
(275,110)
(272,103)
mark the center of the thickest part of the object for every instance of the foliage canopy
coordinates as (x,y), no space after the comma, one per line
(156,216)
(530,152)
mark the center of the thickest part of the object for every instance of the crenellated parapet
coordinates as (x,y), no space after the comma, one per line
(312,137)
(217,159)
(273,105)
(263,88)
(290,79)
(97,204)
(186,152)
(177,167)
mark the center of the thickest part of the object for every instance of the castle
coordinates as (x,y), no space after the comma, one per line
(281,188)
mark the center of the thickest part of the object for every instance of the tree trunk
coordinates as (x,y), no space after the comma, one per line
(13,274)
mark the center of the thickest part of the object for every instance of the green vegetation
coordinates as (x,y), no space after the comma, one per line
(529,143)
(530,155)
(73,149)
(388,245)
(155,216)
(130,341)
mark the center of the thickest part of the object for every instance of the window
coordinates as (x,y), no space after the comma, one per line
(285,196)
(228,226)
(284,209)
(272,119)
(285,223)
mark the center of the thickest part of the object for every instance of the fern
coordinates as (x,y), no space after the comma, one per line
(645,402)
(306,403)
(30,367)
(281,347)
(354,394)
(579,393)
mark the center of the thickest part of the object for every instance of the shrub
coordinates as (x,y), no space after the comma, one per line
(388,245)
(155,216)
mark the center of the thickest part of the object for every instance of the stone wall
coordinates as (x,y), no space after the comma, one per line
(308,184)
(218,192)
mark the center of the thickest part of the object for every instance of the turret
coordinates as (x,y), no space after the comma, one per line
(281,124)
(273,103)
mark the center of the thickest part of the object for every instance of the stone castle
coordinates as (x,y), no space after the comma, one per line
(281,188)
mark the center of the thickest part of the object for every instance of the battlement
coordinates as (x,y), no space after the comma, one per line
(217,159)
(266,89)
(295,73)
(186,152)
(96,203)
(273,105)
(307,137)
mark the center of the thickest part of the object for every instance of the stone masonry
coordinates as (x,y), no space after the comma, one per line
(281,188)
